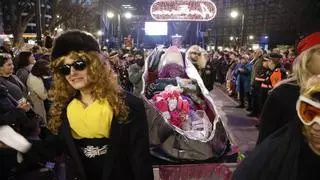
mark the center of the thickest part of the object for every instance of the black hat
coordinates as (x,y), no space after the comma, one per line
(74,40)
(274,56)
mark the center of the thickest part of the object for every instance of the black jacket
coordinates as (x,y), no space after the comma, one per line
(9,113)
(208,74)
(284,155)
(279,109)
(128,155)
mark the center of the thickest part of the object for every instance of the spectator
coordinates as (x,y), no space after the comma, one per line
(257,70)
(243,81)
(7,48)
(231,86)
(273,75)
(24,66)
(37,52)
(220,65)
(209,72)
(136,71)
(16,88)
(15,96)
(280,107)
(121,69)
(38,92)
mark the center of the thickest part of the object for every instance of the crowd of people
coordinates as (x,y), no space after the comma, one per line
(57,97)
(248,75)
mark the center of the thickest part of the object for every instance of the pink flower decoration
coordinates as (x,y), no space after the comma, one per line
(162,105)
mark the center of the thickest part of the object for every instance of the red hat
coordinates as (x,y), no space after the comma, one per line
(308,42)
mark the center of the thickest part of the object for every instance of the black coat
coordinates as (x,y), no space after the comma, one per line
(209,74)
(9,113)
(128,155)
(284,155)
(279,109)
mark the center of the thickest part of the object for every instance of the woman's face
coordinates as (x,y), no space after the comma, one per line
(314,63)
(32,60)
(7,68)
(77,79)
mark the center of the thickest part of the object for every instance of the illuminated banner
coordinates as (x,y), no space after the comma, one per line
(183,10)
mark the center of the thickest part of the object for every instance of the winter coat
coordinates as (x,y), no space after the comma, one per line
(257,69)
(23,122)
(23,73)
(229,75)
(127,157)
(9,113)
(208,74)
(279,109)
(16,88)
(135,76)
(243,78)
(284,155)
(38,94)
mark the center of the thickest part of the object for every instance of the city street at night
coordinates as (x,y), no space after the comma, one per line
(159,89)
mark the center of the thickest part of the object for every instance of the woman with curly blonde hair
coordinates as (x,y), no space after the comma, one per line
(103,129)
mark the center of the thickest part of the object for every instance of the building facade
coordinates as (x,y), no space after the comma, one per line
(265,21)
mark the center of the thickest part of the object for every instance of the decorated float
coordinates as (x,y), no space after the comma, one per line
(183,122)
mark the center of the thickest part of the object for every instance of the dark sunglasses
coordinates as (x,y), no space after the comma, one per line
(196,53)
(78,65)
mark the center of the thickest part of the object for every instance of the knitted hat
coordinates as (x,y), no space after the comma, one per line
(74,40)
(309,41)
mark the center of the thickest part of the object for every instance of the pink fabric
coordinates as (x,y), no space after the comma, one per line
(172,102)
(195,172)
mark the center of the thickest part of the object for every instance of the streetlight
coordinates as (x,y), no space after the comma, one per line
(266,37)
(231,38)
(251,37)
(99,33)
(234,14)
(110,15)
(128,15)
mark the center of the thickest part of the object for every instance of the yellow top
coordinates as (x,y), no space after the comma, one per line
(93,121)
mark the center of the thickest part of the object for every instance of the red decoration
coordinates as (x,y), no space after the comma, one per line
(183,10)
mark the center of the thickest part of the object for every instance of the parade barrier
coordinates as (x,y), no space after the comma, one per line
(194,172)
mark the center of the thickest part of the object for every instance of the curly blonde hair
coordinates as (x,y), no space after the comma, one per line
(202,59)
(300,66)
(102,80)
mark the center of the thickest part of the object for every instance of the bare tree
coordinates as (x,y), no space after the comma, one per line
(73,15)
(21,13)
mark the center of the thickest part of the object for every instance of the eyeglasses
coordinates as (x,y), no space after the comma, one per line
(308,110)
(196,53)
(78,65)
